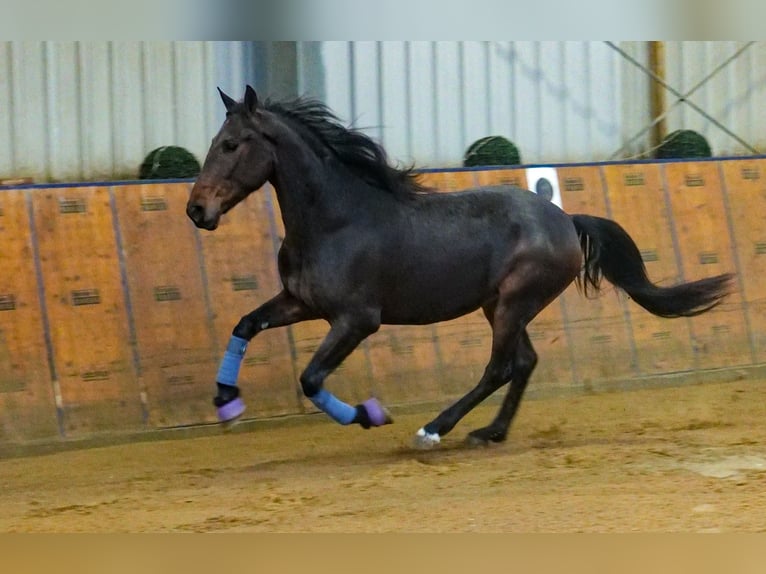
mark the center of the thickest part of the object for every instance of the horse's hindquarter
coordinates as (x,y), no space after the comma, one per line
(451,251)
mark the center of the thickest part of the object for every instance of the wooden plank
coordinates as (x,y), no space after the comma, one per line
(756,311)
(405,365)
(162,268)
(445,181)
(240,260)
(86,309)
(516,177)
(694,189)
(600,338)
(27,404)
(636,198)
(464,346)
(548,334)
(745,184)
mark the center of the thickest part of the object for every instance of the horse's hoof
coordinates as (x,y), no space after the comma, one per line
(230,412)
(484,437)
(377,413)
(426,440)
(476,441)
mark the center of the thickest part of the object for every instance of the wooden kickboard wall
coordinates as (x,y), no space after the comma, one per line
(115,309)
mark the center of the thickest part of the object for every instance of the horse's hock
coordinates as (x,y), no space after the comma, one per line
(114,310)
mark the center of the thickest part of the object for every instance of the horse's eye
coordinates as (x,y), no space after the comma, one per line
(229,145)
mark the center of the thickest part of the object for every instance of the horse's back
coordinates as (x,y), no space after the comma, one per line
(449,252)
(500,209)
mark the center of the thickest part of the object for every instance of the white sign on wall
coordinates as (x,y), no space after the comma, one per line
(544,181)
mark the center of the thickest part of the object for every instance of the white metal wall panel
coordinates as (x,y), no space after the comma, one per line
(502,114)
(557,101)
(449,101)
(127,120)
(474,81)
(7,143)
(189,82)
(394,100)
(734,96)
(93,110)
(527,79)
(339,81)
(63,106)
(96,119)
(576,77)
(632,100)
(159,97)
(554,99)
(422,89)
(28,108)
(365,70)
(742,87)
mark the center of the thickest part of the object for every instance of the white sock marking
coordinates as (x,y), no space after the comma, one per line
(427,439)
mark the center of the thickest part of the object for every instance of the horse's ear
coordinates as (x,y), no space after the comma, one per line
(251,99)
(227,101)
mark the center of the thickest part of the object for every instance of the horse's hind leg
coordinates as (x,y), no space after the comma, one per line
(523,294)
(495,376)
(518,303)
(523,364)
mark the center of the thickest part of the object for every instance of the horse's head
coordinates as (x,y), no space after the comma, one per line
(240,160)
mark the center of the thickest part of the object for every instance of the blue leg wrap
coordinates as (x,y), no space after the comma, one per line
(232,359)
(334,407)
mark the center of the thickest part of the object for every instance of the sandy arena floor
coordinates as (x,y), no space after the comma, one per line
(689,459)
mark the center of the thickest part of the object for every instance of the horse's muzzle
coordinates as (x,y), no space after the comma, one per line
(197,214)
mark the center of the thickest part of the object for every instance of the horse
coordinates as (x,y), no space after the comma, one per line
(367,244)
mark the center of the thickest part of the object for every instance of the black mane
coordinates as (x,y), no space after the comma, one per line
(357,151)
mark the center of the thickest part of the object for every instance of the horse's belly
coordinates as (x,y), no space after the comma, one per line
(424,314)
(429,297)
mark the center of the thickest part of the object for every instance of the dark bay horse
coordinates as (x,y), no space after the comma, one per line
(366,245)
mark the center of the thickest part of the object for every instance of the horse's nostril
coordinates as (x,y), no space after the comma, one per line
(195,212)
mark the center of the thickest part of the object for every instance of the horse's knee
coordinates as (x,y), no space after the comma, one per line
(247,328)
(311,383)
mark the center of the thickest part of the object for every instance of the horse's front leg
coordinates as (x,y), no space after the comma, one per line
(282,310)
(345,335)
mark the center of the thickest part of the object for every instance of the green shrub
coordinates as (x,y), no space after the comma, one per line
(169,162)
(492,150)
(682,144)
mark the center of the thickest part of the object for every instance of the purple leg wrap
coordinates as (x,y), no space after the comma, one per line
(378,415)
(231,410)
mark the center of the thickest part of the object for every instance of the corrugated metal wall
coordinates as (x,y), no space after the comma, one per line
(735,96)
(93,110)
(428,101)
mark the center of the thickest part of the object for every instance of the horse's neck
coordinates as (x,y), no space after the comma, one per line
(302,191)
(308,191)
(313,195)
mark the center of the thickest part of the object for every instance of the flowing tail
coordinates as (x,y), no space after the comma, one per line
(610,253)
